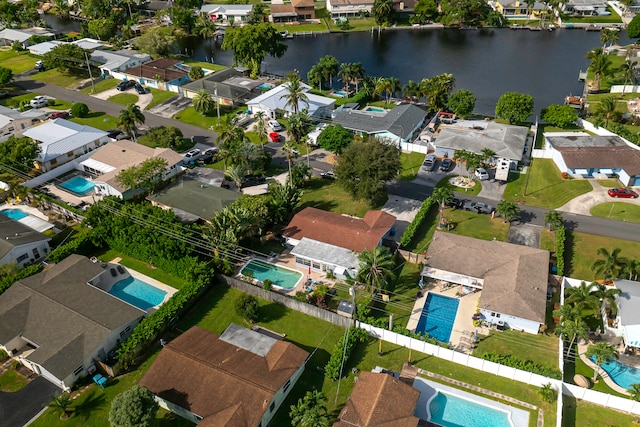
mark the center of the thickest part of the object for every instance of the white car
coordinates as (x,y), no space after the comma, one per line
(191,156)
(275,126)
(482,174)
(39,102)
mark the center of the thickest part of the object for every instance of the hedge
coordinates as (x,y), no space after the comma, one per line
(416,223)
(560,239)
(7,281)
(355,335)
(523,365)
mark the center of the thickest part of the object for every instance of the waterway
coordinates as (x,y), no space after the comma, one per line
(488,62)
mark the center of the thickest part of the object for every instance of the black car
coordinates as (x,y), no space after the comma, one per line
(208,154)
(455,203)
(251,180)
(125,85)
(446,165)
(116,134)
(141,90)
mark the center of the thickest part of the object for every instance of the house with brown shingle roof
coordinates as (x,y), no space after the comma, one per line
(305,9)
(379,399)
(239,378)
(512,278)
(161,73)
(329,242)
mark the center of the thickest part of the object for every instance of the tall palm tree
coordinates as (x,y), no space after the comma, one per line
(437,89)
(375,268)
(384,86)
(487,155)
(205,28)
(507,210)
(229,138)
(608,36)
(261,130)
(295,93)
(441,195)
(567,312)
(607,295)
(610,263)
(346,73)
(396,87)
(631,269)
(602,352)
(202,102)
(553,219)
(290,153)
(572,329)
(583,296)
(629,70)
(600,65)
(358,74)
(129,118)
(411,90)
(608,107)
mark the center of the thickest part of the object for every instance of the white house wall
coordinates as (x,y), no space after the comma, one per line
(178,410)
(513,322)
(16,252)
(624,177)
(280,396)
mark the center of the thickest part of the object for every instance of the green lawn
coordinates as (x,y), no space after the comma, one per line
(14,101)
(191,116)
(355,24)
(18,62)
(411,163)
(12,381)
(578,413)
(55,77)
(609,182)
(548,240)
(201,64)
(473,191)
(125,99)
(600,19)
(59,105)
(101,86)
(580,252)
(617,210)
(541,349)
(543,186)
(327,195)
(184,146)
(159,96)
(98,120)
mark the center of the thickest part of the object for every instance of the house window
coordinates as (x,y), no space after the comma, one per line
(272,406)
(54,161)
(498,315)
(22,257)
(78,370)
(286,385)
(36,254)
(10,129)
(122,334)
(316,265)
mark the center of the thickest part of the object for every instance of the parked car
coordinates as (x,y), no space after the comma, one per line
(59,115)
(482,174)
(429,162)
(191,156)
(623,193)
(446,165)
(275,125)
(207,155)
(116,134)
(141,90)
(39,65)
(292,150)
(479,207)
(274,136)
(39,102)
(330,174)
(455,203)
(125,85)
(251,180)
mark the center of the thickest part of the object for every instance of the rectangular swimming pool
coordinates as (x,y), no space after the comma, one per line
(78,185)
(437,317)
(449,410)
(14,214)
(138,293)
(280,276)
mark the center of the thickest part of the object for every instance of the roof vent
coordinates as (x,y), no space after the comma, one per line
(124,151)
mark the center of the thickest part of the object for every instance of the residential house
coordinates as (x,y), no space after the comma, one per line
(162,73)
(279,13)
(239,378)
(507,141)
(591,156)
(626,323)
(519,9)
(61,141)
(379,399)
(14,121)
(274,102)
(195,196)
(227,14)
(110,62)
(305,9)
(585,7)
(59,324)
(512,278)
(21,244)
(329,242)
(8,36)
(399,125)
(230,87)
(105,165)
(45,47)
(349,8)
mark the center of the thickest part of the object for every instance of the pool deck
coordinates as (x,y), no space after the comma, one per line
(150,280)
(623,358)
(70,198)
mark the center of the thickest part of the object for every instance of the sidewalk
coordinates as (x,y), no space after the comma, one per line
(582,205)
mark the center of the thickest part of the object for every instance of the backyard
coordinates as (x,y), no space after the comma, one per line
(541,349)
(578,413)
(327,195)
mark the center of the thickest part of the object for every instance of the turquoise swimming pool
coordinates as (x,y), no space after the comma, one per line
(137,292)
(621,374)
(280,276)
(437,317)
(449,410)
(374,109)
(14,214)
(78,185)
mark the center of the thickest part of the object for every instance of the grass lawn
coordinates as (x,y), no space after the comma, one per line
(355,24)
(404,288)
(584,414)
(101,86)
(411,163)
(12,381)
(580,252)
(545,187)
(327,195)
(184,146)
(609,182)
(548,240)
(600,19)
(201,64)
(14,101)
(541,349)
(18,62)
(98,120)
(159,96)
(302,28)
(581,368)
(125,99)
(191,116)
(55,77)
(60,105)
(617,210)
(473,191)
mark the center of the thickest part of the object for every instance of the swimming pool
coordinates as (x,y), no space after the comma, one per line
(265,86)
(15,214)
(437,317)
(137,292)
(282,277)
(341,93)
(374,109)
(622,375)
(449,410)
(78,185)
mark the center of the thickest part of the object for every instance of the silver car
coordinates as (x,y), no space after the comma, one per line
(429,163)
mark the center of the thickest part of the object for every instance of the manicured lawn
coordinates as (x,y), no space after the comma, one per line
(355,24)
(14,102)
(584,414)
(609,182)
(580,252)
(55,77)
(125,99)
(184,146)
(201,64)
(12,381)
(327,195)
(473,191)
(101,86)
(403,294)
(18,62)
(617,210)
(543,186)
(541,349)
(548,240)
(581,368)
(411,163)
(98,120)
(600,19)
(159,96)
(60,105)
(191,116)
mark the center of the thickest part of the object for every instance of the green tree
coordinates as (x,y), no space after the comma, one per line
(583,296)
(462,102)
(205,28)
(261,129)
(514,107)
(183,18)
(412,90)
(507,210)
(600,64)
(5,75)
(102,28)
(548,393)
(441,195)
(608,37)
(79,110)
(602,352)
(335,138)
(330,67)
(463,12)
(196,73)
(628,68)
(284,199)
(256,15)
(156,42)
(310,411)
(634,392)
(609,264)
(202,102)
(247,306)
(165,137)
(363,168)
(135,407)
(235,173)
(298,125)
(424,11)
(383,12)
(299,173)
(633,28)
(251,44)
(375,269)
(607,294)
(66,58)
(144,176)
(129,119)
(631,269)
(571,329)
(437,89)
(62,404)
(20,153)
(608,107)
(295,94)
(561,116)
(553,219)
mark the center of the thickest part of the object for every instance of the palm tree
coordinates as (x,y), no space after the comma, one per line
(235,173)
(442,195)
(384,86)
(566,312)
(629,70)
(487,155)
(205,28)
(229,138)
(607,295)
(608,107)
(608,36)
(437,89)
(346,73)
(382,11)
(358,73)
(290,153)
(295,93)
(411,90)
(202,102)
(583,296)
(129,118)
(548,393)
(632,269)
(610,263)
(61,404)
(261,130)
(553,219)
(507,210)
(602,352)
(375,269)
(600,65)
(634,392)
(396,87)
(572,329)
(311,411)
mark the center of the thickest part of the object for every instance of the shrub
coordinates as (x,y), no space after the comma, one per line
(7,281)
(3,355)
(266,284)
(417,222)
(560,239)
(353,336)
(523,365)
(247,307)
(79,110)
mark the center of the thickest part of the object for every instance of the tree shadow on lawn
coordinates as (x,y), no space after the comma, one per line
(569,411)
(272,312)
(94,114)
(569,250)
(93,402)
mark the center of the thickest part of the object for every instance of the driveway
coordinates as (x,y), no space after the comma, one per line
(582,205)
(16,409)
(404,210)
(525,234)
(143,100)
(171,107)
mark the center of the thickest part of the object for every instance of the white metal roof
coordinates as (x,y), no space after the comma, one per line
(61,136)
(275,99)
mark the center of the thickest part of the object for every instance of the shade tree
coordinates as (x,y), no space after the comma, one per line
(561,116)
(252,43)
(462,102)
(135,407)
(514,107)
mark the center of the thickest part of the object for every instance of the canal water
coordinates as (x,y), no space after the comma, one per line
(488,62)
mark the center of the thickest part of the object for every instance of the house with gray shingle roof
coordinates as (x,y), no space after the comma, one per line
(12,121)
(21,244)
(58,323)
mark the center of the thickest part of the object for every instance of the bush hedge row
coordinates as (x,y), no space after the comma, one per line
(416,223)
(10,279)
(561,237)
(523,365)
(355,335)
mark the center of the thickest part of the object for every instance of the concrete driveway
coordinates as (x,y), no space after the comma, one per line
(525,234)
(582,205)
(143,100)
(16,409)
(404,210)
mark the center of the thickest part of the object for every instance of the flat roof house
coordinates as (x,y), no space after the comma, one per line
(58,325)
(590,156)
(274,101)
(513,278)
(227,14)
(13,121)
(61,141)
(239,378)
(105,165)
(330,242)
(21,244)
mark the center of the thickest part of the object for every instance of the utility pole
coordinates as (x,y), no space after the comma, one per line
(86,57)
(215,91)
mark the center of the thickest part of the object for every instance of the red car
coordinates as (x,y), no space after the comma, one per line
(624,193)
(59,115)
(274,137)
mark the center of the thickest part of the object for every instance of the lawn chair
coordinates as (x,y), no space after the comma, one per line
(100,380)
